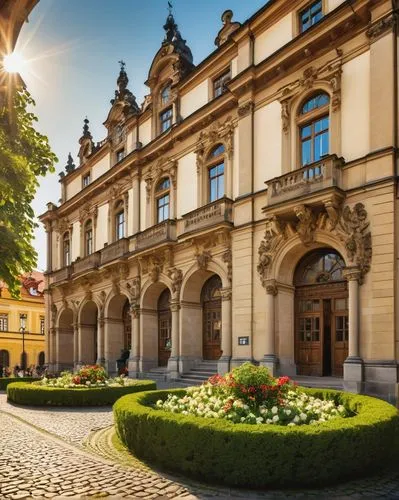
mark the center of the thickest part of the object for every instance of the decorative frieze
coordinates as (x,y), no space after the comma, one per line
(381,27)
(176,277)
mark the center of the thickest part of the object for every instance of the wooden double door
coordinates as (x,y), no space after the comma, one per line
(321,333)
(211,319)
(164,328)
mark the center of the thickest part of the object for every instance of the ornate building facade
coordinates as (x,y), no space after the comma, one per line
(246,210)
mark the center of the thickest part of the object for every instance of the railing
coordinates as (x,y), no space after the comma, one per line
(308,179)
(163,232)
(114,251)
(86,264)
(62,275)
(209,215)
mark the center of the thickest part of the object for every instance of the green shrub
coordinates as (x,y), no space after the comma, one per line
(38,395)
(262,455)
(9,380)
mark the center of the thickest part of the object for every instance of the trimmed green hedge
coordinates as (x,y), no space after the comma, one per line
(4,381)
(262,455)
(38,395)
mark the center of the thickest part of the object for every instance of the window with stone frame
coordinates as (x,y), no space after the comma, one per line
(219,83)
(162,199)
(313,125)
(165,119)
(86,179)
(311,15)
(165,95)
(66,250)
(120,154)
(119,220)
(3,322)
(216,173)
(88,238)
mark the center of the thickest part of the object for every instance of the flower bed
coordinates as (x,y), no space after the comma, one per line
(90,386)
(253,454)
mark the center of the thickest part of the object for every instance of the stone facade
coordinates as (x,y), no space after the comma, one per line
(266,165)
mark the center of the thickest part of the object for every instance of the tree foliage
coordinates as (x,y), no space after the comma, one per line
(25,155)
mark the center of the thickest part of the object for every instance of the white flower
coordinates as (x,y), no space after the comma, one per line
(296,419)
(274,410)
(276,418)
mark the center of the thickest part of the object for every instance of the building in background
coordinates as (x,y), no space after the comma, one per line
(246,210)
(22,324)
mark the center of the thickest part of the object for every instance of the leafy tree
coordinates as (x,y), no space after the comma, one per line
(25,155)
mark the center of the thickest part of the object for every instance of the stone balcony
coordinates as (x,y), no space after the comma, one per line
(114,251)
(61,275)
(208,216)
(155,235)
(88,263)
(310,179)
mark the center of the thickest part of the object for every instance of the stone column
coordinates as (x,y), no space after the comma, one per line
(136,202)
(134,358)
(75,345)
(52,347)
(173,362)
(79,363)
(224,360)
(270,359)
(49,247)
(100,340)
(353,365)
(57,349)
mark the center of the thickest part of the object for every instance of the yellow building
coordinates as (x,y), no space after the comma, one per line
(22,323)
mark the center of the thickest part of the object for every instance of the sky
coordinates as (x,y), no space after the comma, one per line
(72,49)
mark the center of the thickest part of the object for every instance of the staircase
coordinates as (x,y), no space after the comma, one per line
(200,373)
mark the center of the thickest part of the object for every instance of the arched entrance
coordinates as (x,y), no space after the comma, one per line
(321,314)
(65,341)
(212,318)
(4,359)
(88,348)
(164,327)
(117,333)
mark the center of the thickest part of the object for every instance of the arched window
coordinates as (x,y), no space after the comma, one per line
(215,168)
(88,238)
(320,267)
(4,358)
(66,249)
(41,358)
(314,123)
(162,197)
(119,221)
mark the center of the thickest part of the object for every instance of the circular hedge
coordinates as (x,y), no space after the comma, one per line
(262,455)
(5,381)
(34,394)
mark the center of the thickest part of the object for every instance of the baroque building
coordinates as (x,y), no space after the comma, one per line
(246,210)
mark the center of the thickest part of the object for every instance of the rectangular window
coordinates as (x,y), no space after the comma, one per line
(41,325)
(216,182)
(219,84)
(67,253)
(120,225)
(166,119)
(163,208)
(89,241)
(311,15)
(23,321)
(120,155)
(86,180)
(3,322)
(315,140)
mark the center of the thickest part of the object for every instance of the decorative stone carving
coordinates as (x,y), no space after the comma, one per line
(203,259)
(162,167)
(271,287)
(381,27)
(134,288)
(227,258)
(285,115)
(349,225)
(87,211)
(228,28)
(176,276)
(174,306)
(306,225)
(245,109)
(217,133)
(53,315)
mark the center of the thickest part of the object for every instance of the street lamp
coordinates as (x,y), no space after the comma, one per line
(22,330)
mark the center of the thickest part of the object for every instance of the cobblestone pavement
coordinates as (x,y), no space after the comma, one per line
(37,464)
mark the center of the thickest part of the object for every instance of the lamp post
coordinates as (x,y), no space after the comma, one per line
(22,330)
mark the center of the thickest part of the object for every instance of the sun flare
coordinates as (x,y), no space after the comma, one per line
(13,63)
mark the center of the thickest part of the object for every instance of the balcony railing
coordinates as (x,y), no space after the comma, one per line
(61,275)
(309,179)
(87,263)
(163,232)
(209,215)
(114,251)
